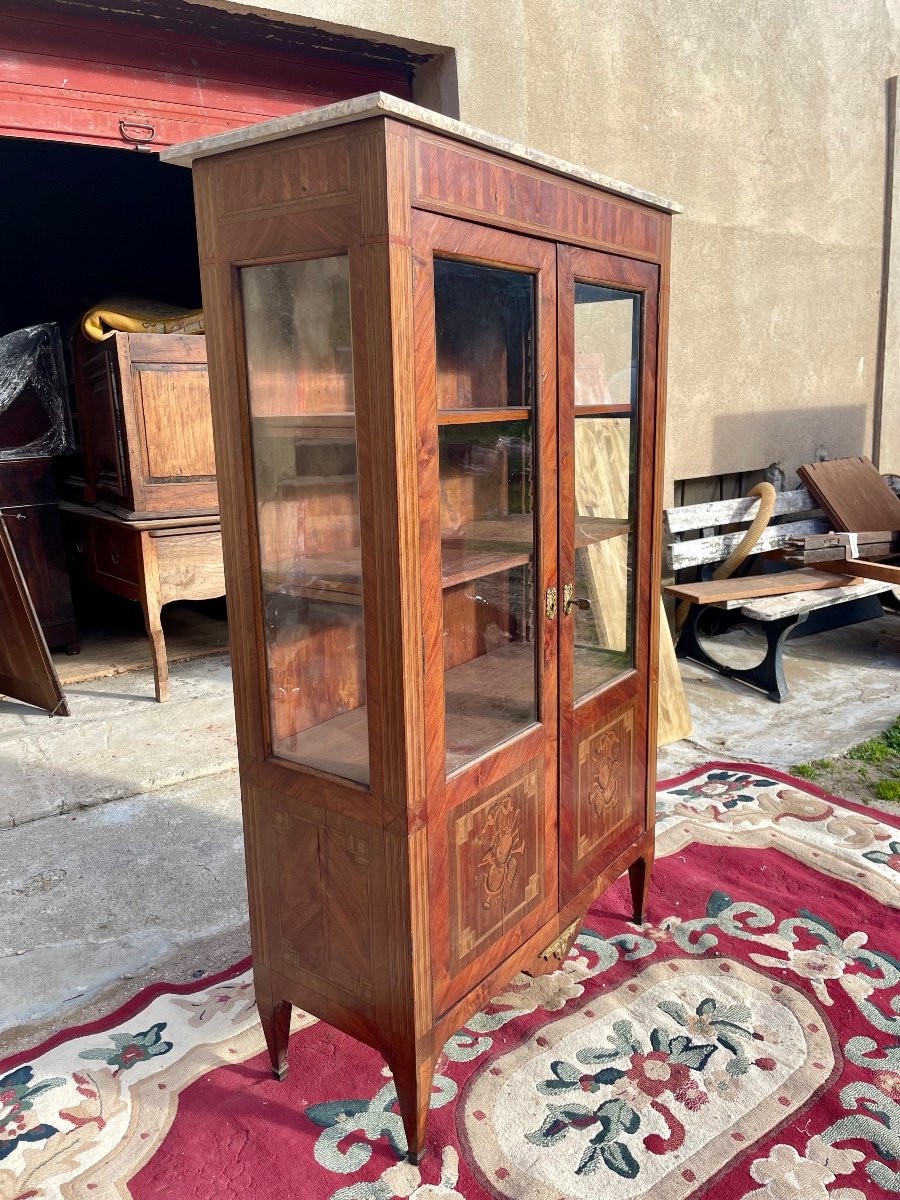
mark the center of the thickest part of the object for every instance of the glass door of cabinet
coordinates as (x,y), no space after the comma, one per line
(485,310)
(608,333)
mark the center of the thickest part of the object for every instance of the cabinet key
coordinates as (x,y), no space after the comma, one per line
(570,601)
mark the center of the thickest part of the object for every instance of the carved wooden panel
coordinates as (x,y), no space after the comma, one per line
(496,843)
(476,183)
(323,891)
(606,806)
(287,174)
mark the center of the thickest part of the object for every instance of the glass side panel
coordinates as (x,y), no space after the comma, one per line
(300,381)
(607,337)
(484,326)
(607,344)
(488,577)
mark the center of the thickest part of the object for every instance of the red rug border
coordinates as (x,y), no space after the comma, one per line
(124,1012)
(147,995)
(663,785)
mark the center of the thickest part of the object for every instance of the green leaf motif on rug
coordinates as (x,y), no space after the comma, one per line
(129,1049)
(661,1077)
(17,1096)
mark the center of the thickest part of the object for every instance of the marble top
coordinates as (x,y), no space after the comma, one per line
(383,104)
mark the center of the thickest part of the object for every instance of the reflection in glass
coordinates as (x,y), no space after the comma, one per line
(607,341)
(607,337)
(484,326)
(300,381)
(488,577)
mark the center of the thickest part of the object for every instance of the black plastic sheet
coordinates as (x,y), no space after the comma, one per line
(34,406)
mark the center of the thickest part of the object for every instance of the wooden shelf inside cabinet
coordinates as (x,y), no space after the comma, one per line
(327,426)
(604,410)
(591,530)
(485,547)
(481,416)
(335,578)
(481,712)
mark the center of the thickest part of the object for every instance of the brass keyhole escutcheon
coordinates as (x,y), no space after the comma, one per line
(550,605)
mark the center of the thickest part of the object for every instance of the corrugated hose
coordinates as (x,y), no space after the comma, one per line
(743,549)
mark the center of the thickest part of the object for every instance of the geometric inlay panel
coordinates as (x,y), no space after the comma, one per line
(497,861)
(604,792)
(323,905)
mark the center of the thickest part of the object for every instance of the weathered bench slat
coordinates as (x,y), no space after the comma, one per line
(774,608)
(713,549)
(691,517)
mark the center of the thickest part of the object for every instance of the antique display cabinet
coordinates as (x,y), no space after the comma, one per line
(436,365)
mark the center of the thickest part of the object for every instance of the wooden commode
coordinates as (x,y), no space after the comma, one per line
(145,425)
(153,562)
(436,368)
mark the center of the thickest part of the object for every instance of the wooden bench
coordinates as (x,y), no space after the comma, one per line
(795,515)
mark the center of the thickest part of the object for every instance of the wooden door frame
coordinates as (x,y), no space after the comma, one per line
(634,689)
(468,242)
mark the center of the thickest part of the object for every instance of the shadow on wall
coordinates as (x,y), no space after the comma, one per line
(750,441)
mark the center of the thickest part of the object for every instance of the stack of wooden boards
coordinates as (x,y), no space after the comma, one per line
(808,531)
(865,517)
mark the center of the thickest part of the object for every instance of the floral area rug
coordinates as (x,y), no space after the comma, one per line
(745,1043)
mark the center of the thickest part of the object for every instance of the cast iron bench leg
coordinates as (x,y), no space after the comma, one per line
(767,675)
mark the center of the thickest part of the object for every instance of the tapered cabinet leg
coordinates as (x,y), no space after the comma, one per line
(275,1019)
(413,1078)
(639,877)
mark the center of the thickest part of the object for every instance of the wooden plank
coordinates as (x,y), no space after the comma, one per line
(862,569)
(730,593)
(690,517)
(853,494)
(674,721)
(773,608)
(818,541)
(713,549)
(26,669)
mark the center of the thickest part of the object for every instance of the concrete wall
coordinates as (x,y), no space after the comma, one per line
(766,120)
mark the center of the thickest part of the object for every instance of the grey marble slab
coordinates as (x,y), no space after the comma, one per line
(383,104)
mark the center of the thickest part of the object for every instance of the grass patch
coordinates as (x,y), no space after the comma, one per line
(888,789)
(874,763)
(812,770)
(804,771)
(875,750)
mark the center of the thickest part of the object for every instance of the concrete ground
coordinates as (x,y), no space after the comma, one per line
(121,860)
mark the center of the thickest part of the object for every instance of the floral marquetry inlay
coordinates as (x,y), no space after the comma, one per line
(502,837)
(497,862)
(605,802)
(606,757)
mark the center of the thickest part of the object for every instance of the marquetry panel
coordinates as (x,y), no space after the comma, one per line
(475,183)
(284,175)
(606,806)
(323,898)
(496,844)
